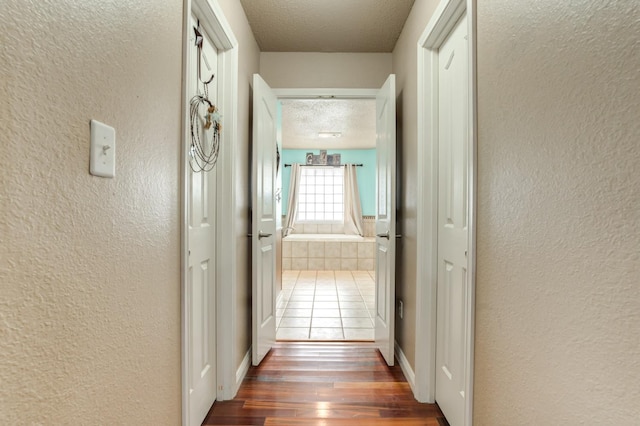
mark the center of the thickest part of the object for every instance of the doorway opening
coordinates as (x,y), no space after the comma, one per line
(326,264)
(267,225)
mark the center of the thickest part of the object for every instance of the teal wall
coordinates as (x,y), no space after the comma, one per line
(366,174)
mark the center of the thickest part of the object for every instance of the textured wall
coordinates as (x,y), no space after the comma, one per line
(89,272)
(558,282)
(405,66)
(327,25)
(248,64)
(319,70)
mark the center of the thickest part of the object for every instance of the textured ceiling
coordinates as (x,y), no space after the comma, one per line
(303,119)
(327,25)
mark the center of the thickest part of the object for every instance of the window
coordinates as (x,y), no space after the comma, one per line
(321,194)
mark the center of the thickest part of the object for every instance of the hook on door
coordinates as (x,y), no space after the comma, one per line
(199,41)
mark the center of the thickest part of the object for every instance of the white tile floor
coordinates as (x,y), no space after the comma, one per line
(326,305)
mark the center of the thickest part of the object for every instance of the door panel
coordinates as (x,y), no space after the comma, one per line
(453,229)
(201,286)
(385,218)
(263,226)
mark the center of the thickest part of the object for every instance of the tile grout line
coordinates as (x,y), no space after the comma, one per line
(286,305)
(335,283)
(313,304)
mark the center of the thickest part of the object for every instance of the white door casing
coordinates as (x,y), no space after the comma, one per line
(385,218)
(441,24)
(453,287)
(263,227)
(201,277)
(221,360)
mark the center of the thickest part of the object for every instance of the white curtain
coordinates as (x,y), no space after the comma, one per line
(292,203)
(352,208)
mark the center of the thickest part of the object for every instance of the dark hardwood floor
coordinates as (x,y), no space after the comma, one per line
(324,384)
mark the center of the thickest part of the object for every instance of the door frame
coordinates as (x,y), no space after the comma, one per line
(327,93)
(215,24)
(440,25)
(306,93)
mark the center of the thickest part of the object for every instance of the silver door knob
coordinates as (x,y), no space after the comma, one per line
(385,235)
(263,235)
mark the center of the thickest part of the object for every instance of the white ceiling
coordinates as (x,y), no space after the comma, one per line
(327,25)
(303,119)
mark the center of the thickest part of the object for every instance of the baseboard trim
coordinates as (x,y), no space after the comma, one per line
(406,368)
(242,371)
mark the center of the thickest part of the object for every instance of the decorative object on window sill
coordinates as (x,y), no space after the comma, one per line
(333,159)
(203,151)
(323,159)
(322,165)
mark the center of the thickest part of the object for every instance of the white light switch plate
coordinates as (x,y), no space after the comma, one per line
(103,150)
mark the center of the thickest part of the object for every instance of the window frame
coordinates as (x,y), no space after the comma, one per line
(333,221)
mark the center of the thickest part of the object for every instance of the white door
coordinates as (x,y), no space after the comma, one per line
(453,228)
(201,282)
(385,218)
(263,226)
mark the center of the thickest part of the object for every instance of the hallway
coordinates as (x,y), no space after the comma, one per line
(337,384)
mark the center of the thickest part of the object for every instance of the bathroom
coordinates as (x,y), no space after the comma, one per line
(327,256)
(327,138)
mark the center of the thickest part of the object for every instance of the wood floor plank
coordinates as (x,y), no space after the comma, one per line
(310,383)
(370,385)
(282,421)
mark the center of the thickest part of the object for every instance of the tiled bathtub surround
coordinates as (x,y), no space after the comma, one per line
(326,305)
(328,255)
(368,224)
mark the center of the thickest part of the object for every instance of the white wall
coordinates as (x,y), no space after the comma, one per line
(558,282)
(322,70)
(90,267)
(405,67)
(248,64)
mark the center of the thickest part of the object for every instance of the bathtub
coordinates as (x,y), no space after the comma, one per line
(326,252)
(323,237)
